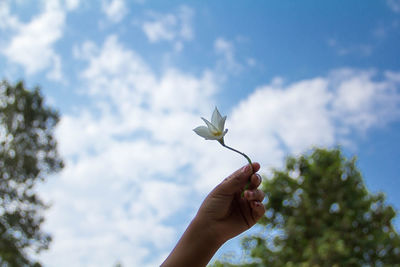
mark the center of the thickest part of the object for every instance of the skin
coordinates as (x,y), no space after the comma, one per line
(223,215)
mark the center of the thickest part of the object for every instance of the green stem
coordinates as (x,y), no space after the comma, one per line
(248,159)
(241,153)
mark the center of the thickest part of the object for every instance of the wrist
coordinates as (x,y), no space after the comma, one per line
(205,232)
(196,247)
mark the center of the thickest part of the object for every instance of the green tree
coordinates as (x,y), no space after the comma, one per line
(319,213)
(27,155)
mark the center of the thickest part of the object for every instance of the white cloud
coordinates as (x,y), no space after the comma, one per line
(251,62)
(223,46)
(354,49)
(72,4)
(134,164)
(124,69)
(161,29)
(115,10)
(393,76)
(174,28)
(85,51)
(227,50)
(278,118)
(394,5)
(32,45)
(319,111)
(185,15)
(7,20)
(124,158)
(361,102)
(289,116)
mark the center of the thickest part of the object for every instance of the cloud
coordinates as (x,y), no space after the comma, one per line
(394,5)
(72,4)
(175,28)
(317,111)
(354,49)
(135,172)
(228,61)
(32,45)
(7,20)
(115,10)
(362,101)
(123,160)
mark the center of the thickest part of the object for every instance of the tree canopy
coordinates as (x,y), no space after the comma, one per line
(28,154)
(320,213)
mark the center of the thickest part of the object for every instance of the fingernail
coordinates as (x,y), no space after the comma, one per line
(259,177)
(246,168)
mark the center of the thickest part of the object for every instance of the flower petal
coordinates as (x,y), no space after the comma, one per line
(211,127)
(221,124)
(204,132)
(216,119)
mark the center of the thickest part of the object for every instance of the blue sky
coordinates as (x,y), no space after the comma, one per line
(132,78)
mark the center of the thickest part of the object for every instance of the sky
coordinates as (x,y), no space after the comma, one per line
(131,79)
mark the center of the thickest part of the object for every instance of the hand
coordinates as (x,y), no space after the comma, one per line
(223,215)
(225,212)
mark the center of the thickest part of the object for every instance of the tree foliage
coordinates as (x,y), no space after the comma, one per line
(319,213)
(27,155)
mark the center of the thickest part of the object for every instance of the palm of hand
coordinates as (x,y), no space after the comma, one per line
(229,214)
(226,213)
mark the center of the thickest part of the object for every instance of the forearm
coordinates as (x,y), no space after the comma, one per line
(195,248)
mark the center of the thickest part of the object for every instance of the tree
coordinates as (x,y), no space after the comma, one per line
(319,213)
(27,155)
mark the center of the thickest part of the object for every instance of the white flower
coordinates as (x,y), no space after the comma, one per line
(215,129)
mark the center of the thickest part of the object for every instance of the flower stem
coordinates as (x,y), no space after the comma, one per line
(241,153)
(248,159)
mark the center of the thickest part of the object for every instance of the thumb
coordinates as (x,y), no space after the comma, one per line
(237,180)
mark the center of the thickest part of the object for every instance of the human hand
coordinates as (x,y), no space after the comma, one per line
(225,212)
(223,215)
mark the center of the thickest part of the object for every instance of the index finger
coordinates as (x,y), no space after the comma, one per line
(238,179)
(255,181)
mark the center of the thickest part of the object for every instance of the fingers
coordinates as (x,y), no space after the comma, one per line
(238,179)
(255,181)
(255,198)
(258,210)
(254,195)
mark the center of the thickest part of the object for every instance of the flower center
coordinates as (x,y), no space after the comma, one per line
(216,133)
